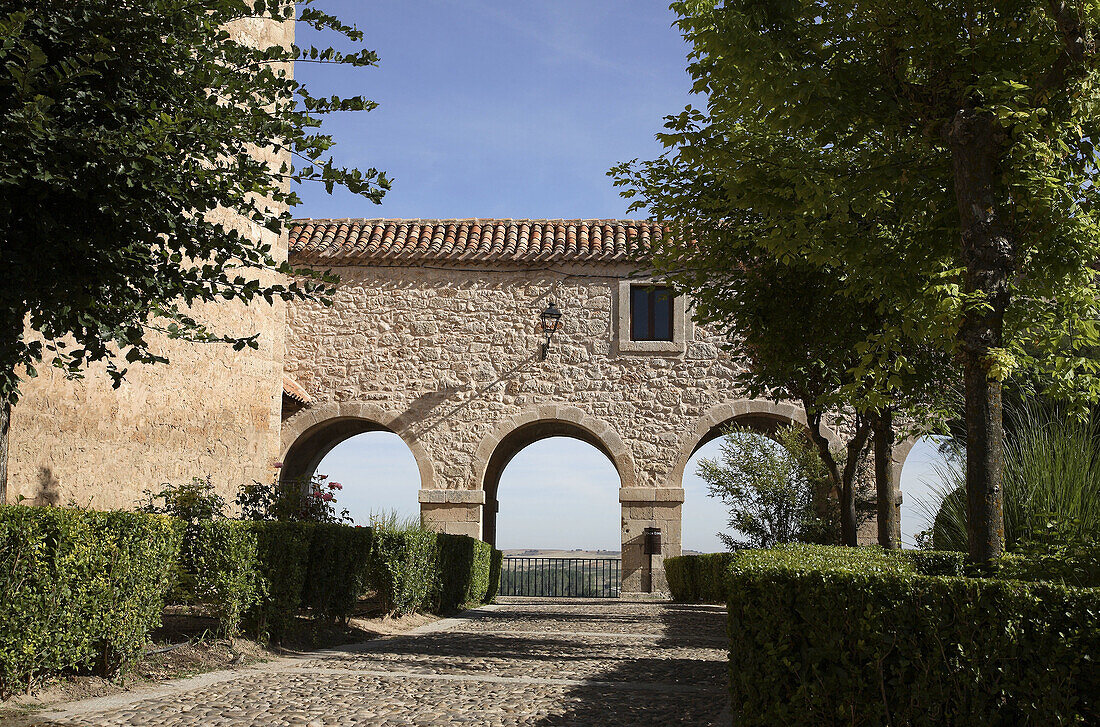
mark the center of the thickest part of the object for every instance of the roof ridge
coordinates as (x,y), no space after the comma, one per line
(523,241)
(457,220)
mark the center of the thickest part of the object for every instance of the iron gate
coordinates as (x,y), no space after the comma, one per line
(561,577)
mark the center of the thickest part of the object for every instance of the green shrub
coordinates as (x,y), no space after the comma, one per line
(292,500)
(337,572)
(826,636)
(1051,467)
(221,571)
(274,569)
(1080,568)
(81,590)
(770,487)
(937,562)
(282,550)
(494,575)
(699,578)
(464,566)
(403,569)
(192,501)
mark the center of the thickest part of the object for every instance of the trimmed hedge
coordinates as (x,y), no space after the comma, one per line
(403,569)
(832,636)
(699,578)
(934,562)
(704,578)
(414,570)
(81,590)
(495,564)
(337,571)
(1080,567)
(464,566)
(272,570)
(282,550)
(220,570)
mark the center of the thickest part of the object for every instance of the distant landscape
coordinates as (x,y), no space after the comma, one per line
(550,572)
(577,553)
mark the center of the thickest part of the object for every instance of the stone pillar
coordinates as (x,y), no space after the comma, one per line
(649,507)
(457,512)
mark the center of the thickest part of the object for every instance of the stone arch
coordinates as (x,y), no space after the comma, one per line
(312,433)
(759,414)
(901,453)
(514,434)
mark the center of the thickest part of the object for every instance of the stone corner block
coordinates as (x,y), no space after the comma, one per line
(651,494)
(459,497)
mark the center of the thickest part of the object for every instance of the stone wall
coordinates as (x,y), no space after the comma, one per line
(449,359)
(210,411)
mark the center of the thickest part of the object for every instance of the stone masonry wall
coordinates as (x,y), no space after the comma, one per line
(449,360)
(210,411)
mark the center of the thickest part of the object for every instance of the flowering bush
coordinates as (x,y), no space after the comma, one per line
(311,501)
(191,502)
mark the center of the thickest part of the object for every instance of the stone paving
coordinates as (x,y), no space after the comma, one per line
(518,662)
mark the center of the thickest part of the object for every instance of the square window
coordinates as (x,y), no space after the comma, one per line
(650,313)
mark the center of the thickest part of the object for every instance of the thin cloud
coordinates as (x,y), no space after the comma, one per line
(564,39)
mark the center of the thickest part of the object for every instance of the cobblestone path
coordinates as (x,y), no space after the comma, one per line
(513,663)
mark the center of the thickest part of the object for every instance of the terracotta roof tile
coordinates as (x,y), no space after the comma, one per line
(501,242)
(295,391)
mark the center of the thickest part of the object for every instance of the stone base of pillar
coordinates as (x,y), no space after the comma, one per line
(457,512)
(645,597)
(646,507)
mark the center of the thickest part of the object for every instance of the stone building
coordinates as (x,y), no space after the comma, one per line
(211,411)
(435,335)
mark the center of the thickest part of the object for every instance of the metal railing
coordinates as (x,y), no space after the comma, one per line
(561,577)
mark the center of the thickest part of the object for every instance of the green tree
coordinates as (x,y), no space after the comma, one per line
(771,487)
(782,319)
(799,337)
(941,153)
(129,132)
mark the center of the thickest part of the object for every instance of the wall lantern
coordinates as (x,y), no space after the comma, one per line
(550,319)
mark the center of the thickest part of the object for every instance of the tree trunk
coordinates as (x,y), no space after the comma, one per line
(849,517)
(856,448)
(842,480)
(889,532)
(11,336)
(987,252)
(5,424)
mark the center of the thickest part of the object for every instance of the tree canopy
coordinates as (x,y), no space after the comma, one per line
(128,129)
(937,157)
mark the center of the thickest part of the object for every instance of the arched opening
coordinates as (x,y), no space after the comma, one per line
(921,486)
(704,516)
(560,460)
(379,471)
(558,494)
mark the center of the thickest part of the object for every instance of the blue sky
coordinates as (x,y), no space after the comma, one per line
(510,109)
(500,109)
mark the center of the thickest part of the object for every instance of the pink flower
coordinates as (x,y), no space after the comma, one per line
(327,497)
(336,485)
(317,494)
